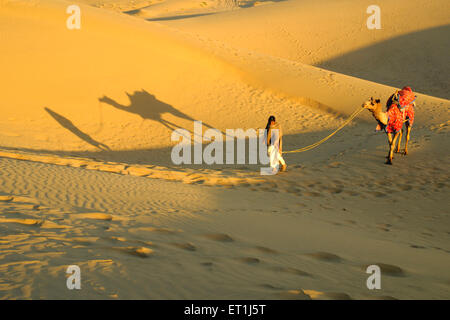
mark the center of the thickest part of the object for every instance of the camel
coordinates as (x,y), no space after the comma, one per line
(393,120)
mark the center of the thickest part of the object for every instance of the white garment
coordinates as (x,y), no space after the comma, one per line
(275,157)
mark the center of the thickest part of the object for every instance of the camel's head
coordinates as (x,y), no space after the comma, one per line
(371,104)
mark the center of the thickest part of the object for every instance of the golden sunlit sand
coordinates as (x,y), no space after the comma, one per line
(86,176)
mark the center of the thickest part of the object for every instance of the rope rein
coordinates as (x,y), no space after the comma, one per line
(318,143)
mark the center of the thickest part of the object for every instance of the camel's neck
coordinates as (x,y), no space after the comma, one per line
(380,115)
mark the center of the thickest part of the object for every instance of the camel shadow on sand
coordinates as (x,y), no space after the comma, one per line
(148,107)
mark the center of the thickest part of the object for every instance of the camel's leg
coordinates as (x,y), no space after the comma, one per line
(408,131)
(392,140)
(389,136)
(399,141)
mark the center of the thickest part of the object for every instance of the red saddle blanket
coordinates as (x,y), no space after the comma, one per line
(406,96)
(401,110)
(395,119)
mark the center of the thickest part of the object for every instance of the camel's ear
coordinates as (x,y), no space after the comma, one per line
(377,101)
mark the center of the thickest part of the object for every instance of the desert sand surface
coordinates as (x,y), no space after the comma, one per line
(86,176)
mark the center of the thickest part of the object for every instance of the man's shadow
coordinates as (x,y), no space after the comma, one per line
(148,107)
(66,123)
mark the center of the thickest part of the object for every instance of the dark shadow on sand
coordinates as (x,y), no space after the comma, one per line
(418,59)
(66,123)
(186,16)
(148,107)
(361,133)
(251,3)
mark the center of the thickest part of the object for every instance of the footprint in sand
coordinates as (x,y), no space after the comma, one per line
(441,185)
(249,260)
(415,246)
(388,269)
(325,256)
(221,237)
(159,230)
(405,187)
(185,246)
(293,271)
(207,264)
(270,286)
(384,226)
(141,252)
(312,194)
(379,194)
(293,190)
(266,250)
(334,190)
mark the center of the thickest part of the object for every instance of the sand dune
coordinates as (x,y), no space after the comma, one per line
(85,170)
(54,106)
(333,35)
